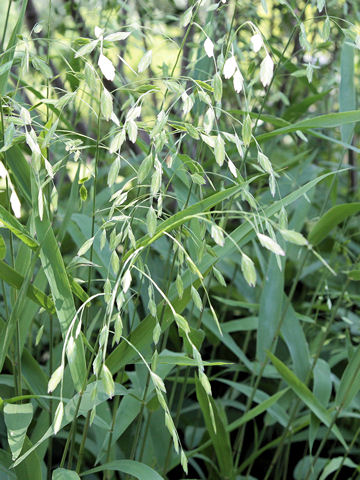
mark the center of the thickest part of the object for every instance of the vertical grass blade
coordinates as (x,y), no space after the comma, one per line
(10,49)
(54,269)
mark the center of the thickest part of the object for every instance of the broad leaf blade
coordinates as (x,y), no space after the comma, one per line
(330,219)
(17,419)
(131,467)
(54,269)
(306,396)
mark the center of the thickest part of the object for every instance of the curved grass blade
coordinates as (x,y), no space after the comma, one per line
(221,438)
(295,340)
(55,272)
(20,170)
(14,279)
(258,410)
(330,120)
(350,381)
(271,302)
(295,111)
(131,467)
(334,465)
(330,220)
(8,57)
(17,228)
(302,391)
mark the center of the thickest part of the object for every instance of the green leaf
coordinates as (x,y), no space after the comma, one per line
(271,302)
(219,438)
(55,272)
(331,219)
(131,467)
(2,248)
(258,410)
(347,98)
(64,474)
(17,419)
(330,120)
(9,331)
(335,464)
(296,110)
(322,391)
(354,275)
(20,168)
(276,121)
(31,467)
(295,340)
(17,228)
(8,56)
(306,396)
(350,381)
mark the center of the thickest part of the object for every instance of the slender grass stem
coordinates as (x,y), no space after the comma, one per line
(5,24)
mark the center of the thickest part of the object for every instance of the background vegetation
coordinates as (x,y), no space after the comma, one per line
(180,239)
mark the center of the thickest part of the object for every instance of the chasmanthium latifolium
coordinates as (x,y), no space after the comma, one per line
(179,244)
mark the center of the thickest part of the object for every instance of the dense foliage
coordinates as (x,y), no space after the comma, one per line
(179,252)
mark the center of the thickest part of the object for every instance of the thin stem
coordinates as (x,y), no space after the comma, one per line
(5,25)
(139,422)
(82,444)
(86,320)
(51,361)
(355,437)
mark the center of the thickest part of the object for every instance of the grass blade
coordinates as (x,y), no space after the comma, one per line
(350,381)
(347,88)
(330,220)
(131,467)
(8,57)
(306,396)
(55,272)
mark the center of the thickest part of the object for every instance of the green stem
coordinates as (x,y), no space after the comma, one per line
(139,422)
(355,437)
(86,320)
(82,444)
(50,453)
(5,25)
